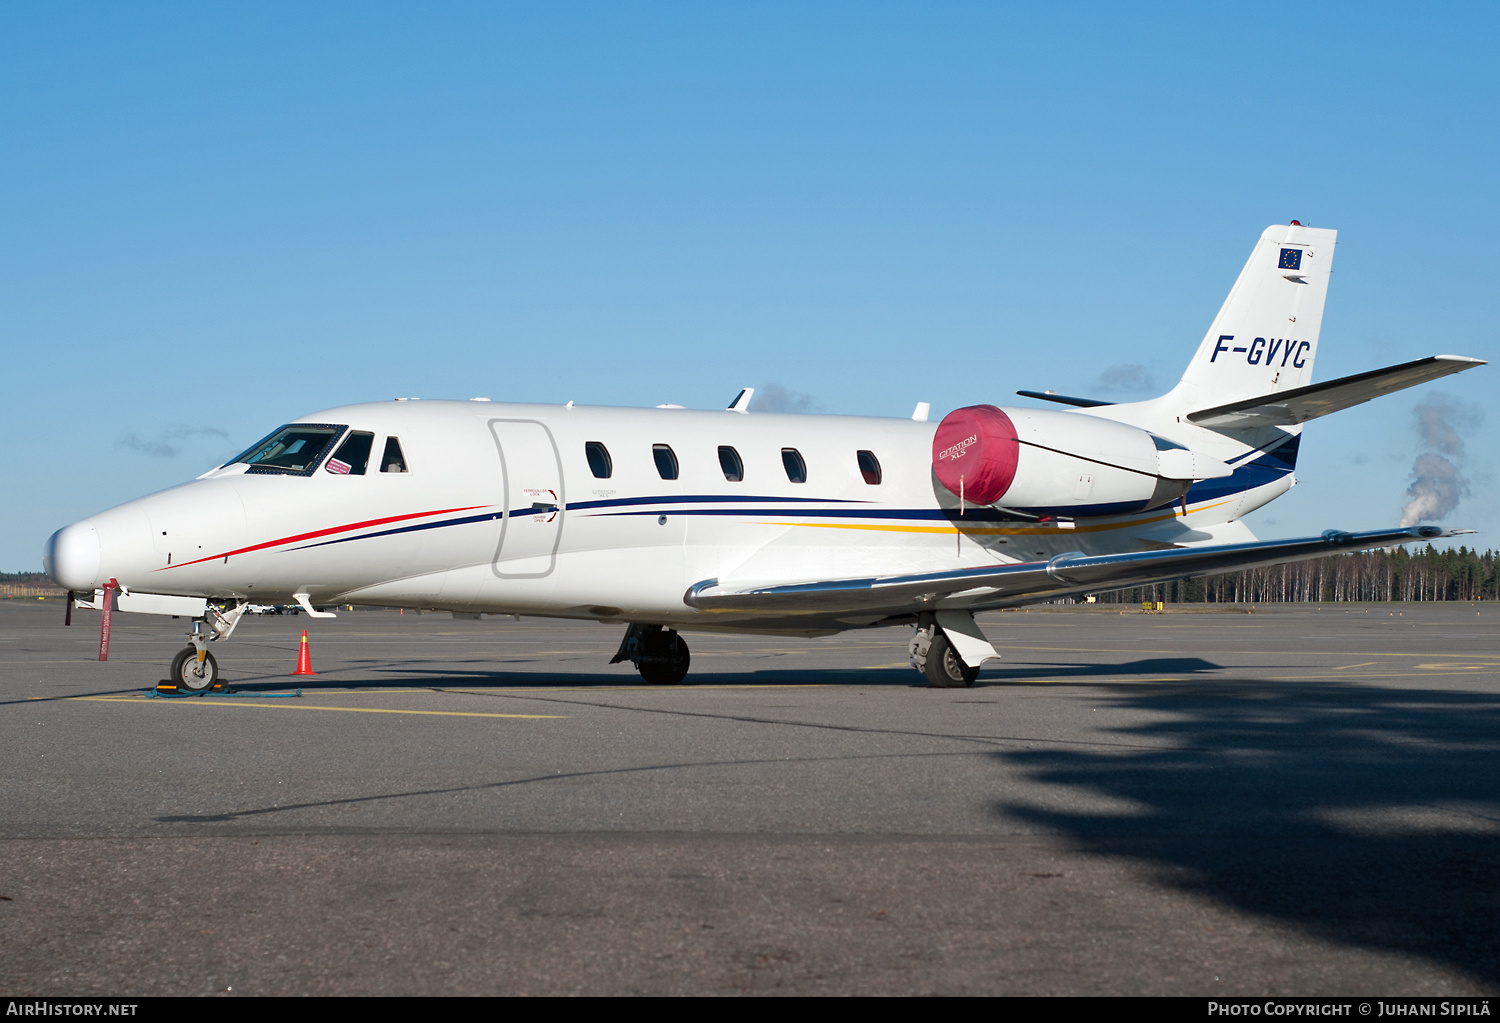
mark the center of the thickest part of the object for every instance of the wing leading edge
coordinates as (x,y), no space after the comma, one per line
(1027,582)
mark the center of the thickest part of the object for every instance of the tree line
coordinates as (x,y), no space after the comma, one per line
(1390,574)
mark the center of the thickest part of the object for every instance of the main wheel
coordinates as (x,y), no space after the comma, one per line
(185,671)
(665,659)
(945,669)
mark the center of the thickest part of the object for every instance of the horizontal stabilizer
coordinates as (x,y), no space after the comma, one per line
(1288,408)
(1063,399)
(1028,582)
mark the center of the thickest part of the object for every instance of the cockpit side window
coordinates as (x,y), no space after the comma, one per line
(392,460)
(293,450)
(352,456)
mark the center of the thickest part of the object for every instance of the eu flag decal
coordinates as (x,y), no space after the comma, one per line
(1291,259)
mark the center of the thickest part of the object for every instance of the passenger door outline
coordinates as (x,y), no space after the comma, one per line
(522,472)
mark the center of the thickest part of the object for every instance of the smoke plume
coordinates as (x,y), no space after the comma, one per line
(169,442)
(775,398)
(1132,380)
(1438,481)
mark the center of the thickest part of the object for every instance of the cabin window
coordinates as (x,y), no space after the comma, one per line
(600,463)
(292,450)
(796,468)
(392,460)
(869,467)
(352,456)
(666,461)
(729,461)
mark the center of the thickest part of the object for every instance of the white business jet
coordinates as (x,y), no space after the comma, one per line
(668,520)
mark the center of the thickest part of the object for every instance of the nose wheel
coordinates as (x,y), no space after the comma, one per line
(191,675)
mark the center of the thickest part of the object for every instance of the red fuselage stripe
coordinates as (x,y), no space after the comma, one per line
(323,532)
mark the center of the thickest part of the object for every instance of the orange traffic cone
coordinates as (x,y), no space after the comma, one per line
(304,659)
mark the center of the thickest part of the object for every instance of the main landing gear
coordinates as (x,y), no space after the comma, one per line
(194,669)
(933,654)
(660,655)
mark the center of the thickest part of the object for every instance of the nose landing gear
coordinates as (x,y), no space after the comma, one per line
(660,655)
(194,669)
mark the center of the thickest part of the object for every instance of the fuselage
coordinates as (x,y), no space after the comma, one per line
(510,508)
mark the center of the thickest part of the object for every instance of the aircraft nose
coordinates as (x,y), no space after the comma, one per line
(71,557)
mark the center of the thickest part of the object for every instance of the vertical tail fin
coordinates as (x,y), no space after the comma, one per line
(1266,334)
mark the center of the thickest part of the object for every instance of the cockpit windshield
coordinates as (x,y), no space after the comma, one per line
(296,449)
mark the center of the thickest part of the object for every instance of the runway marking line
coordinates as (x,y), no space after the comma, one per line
(216,702)
(1085,680)
(1149,650)
(632,689)
(325,693)
(1383,674)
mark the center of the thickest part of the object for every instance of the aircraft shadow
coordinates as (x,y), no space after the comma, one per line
(1362,815)
(479,678)
(396,676)
(1048,671)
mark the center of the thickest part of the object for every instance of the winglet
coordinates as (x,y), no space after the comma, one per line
(741,401)
(919,414)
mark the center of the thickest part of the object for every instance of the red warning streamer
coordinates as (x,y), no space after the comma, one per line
(109,603)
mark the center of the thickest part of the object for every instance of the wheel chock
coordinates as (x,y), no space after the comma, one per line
(167,690)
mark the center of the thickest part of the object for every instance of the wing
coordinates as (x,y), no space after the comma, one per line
(1028,582)
(1298,405)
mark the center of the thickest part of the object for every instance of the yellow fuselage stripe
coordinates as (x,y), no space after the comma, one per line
(1005,531)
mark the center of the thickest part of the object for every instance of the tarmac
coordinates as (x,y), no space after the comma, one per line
(1301,800)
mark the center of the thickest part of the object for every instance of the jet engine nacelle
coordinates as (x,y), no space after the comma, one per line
(1045,463)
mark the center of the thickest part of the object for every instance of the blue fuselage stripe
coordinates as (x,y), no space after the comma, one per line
(1247,477)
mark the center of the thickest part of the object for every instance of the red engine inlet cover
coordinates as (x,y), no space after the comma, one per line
(974,453)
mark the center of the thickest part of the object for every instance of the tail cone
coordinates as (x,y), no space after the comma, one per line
(304,659)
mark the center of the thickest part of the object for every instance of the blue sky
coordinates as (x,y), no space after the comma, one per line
(216,217)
